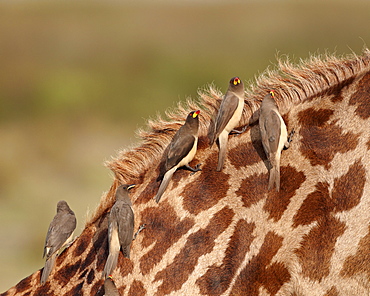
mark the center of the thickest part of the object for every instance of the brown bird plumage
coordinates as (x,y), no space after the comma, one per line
(181,151)
(228,117)
(59,234)
(274,137)
(120,228)
(110,288)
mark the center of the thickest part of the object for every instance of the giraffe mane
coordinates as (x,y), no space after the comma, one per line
(292,84)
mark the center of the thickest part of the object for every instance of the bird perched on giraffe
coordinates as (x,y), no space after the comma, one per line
(228,117)
(120,228)
(59,235)
(274,136)
(181,151)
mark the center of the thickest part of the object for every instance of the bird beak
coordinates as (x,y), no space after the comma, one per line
(131,186)
(196,113)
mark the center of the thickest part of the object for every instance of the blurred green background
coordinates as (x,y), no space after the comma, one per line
(77,78)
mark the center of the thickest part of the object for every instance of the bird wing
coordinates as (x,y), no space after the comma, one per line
(59,231)
(180,146)
(271,133)
(125,225)
(226,111)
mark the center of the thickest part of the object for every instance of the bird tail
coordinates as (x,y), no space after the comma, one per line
(126,251)
(274,177)
(166,179)
(222,139)
(111,264)
(49,265)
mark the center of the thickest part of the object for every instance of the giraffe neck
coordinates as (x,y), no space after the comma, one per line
(223,233)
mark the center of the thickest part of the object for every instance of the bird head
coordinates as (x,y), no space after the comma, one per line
(194,114)
(235,81)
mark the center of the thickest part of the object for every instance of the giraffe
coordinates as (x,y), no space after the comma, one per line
(224,233)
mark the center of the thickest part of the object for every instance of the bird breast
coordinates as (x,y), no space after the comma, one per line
(234,120)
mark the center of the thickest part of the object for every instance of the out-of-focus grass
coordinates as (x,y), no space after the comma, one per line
(77,78)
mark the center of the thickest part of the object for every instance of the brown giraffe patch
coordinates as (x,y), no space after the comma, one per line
(277,202)
(67,272)
(314,206)
(126,265)
(261,272)
(348,189)
(332,292)
(137,289)
(361,97)
(217,278)
(90,277)
(253,189)
(244,154)
(209,187)
(76,290)
(318,247)
(149,192)
(83,274)
(84,240)
(198,244)
(163,227)
(346,194)
(360,262)
(312,117)
(318,135)
(99,250)
(23,284)
(102,255)
(336,91)
(44,290)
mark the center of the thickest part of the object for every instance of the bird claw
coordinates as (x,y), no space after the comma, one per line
(290,138)
(236,132)
(196,169)
(141,227)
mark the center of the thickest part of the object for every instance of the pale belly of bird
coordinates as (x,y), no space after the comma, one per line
(190,156)
(234,120)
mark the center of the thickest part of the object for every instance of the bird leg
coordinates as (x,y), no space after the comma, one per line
(194,170)
(236,132)
(141,227)
(290,139)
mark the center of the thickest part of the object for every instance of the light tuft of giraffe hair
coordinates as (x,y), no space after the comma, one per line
(292,84)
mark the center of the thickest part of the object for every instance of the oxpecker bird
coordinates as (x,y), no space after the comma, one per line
(274,137)
(181,151)
(120,228)
(228,117)
(59,234)
(110,288)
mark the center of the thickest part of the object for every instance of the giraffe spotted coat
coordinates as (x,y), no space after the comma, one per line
(224,233)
